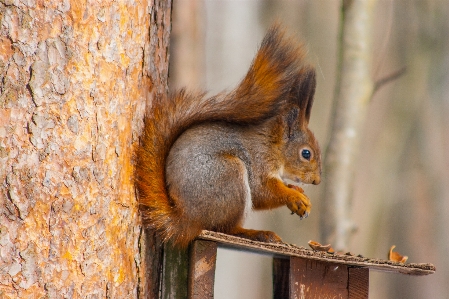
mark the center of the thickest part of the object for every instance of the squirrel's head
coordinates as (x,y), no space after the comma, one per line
(300,148)
(302,156)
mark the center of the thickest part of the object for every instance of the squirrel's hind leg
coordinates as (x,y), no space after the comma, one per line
(209,191)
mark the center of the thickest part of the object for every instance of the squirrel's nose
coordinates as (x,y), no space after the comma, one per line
(316,181)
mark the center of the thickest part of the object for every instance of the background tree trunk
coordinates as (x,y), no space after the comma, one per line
(187,45)
(354,89)
(74,78)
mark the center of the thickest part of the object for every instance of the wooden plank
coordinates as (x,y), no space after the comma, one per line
(203,256)
(358,283)
(316,279)
(153,264)
(287,250)
(281,278)
(175,272)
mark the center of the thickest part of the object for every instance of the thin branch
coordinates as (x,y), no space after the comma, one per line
(389,78)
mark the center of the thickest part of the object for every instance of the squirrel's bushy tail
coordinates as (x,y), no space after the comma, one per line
(259,96)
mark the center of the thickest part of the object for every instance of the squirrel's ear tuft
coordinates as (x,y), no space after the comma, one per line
(303,91)
(291,118)
(309,85)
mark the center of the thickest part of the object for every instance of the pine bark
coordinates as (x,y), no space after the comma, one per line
(75,77)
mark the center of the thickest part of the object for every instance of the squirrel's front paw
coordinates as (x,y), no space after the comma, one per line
(300,205)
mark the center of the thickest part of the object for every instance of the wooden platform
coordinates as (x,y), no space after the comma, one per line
(287,250)
(297,272)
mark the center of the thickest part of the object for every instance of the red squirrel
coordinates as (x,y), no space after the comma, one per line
(204,162)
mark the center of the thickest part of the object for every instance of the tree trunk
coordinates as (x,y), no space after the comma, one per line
(188,41)
(354,89)
(75,79)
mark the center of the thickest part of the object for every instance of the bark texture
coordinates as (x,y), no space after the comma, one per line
(75,77)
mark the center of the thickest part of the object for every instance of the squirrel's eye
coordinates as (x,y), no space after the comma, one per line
(305,153)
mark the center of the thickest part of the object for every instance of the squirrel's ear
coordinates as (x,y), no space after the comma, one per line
(291,118)
(303,92)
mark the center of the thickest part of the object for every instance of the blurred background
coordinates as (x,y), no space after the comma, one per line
(401,194)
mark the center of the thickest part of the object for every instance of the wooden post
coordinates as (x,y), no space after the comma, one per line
(318,279)
(203,255)
(358,282)
(175,272)
(281,277)
(302,278)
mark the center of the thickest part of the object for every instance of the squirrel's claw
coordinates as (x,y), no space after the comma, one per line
(306,214)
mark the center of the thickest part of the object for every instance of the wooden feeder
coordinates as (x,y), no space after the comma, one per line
(297,272)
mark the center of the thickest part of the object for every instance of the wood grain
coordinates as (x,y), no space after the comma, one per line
(203,255)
